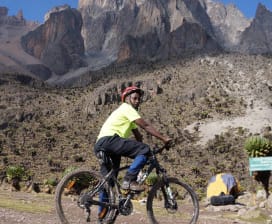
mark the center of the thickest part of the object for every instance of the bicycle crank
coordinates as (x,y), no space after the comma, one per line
(83,201)
(125,206)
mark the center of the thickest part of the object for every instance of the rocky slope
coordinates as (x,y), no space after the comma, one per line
(47,130)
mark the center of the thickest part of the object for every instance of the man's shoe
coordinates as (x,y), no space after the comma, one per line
(133,185)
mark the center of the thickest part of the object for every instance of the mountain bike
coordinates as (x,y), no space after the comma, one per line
(169,199)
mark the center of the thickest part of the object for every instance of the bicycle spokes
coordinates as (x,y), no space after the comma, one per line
(77,198)
(175,203)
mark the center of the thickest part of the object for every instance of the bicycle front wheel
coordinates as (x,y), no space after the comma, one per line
(184,207)
(71,196)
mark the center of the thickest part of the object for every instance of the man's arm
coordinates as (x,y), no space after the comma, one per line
(151,130)
(137,135)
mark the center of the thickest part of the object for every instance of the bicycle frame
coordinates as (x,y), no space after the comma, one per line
(153,164)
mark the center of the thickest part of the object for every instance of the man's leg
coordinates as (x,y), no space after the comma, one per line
(128,148)
(104,169)
(103,195)
(135,167)
(131,175)
(137,151)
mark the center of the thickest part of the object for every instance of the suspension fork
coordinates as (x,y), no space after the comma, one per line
(167,192)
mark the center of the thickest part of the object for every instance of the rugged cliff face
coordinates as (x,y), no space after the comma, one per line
(227,22)
(58,42)
(143,30)
(257,38)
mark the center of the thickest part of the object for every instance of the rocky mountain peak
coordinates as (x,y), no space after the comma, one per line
(20,15)
(257,38)
(262,14)
(17,20)
(108,4)
(58,42)
(228,23)
(55,9)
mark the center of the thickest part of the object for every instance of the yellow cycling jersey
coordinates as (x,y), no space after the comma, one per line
(120,122)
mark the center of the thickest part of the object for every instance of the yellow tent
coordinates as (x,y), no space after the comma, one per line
(222,183)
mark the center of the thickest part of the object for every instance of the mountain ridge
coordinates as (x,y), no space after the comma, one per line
(129,31)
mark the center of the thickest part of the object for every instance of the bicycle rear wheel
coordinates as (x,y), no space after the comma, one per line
(184,208)
(69,197)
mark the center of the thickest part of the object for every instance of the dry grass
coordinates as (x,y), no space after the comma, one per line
(32,204)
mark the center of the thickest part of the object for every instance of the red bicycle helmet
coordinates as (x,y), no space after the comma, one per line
(129,90)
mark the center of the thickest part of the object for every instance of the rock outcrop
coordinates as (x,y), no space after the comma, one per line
(110,93)
(58,42)
(17,20)
(55,9)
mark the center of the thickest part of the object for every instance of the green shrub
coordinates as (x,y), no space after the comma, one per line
(14,172)
(51,181)
(151,179)
(258,146)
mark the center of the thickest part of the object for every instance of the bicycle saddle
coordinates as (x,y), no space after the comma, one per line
(103,158)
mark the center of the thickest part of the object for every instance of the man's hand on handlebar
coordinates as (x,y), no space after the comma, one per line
(168,143)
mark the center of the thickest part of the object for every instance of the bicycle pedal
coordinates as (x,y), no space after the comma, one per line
(125,192)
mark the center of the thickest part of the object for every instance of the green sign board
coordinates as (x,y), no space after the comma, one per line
(260,163)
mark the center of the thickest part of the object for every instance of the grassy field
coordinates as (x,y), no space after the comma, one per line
(33,203)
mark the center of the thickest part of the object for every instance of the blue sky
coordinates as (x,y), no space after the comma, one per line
(35,9)
(248,7)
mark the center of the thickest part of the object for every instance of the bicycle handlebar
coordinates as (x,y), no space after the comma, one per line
(157,149)
(167,146)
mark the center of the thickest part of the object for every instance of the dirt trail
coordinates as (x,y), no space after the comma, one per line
(30,208)
(254,120)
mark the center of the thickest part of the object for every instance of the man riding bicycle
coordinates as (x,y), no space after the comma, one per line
(114,139)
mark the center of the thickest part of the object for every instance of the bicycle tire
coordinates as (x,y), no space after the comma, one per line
(186,210)
(68,193)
